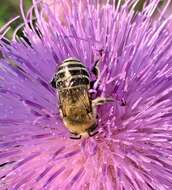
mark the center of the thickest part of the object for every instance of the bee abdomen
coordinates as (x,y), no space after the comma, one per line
(71,73)
(71,63)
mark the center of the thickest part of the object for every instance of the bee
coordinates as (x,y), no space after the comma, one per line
(77,108)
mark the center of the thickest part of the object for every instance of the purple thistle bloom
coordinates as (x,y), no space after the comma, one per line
(133,149)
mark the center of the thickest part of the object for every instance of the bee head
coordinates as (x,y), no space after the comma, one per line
(53,83)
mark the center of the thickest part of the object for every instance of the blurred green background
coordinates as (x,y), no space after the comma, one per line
(9,9)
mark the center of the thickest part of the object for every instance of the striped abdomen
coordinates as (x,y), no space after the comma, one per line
(70,73)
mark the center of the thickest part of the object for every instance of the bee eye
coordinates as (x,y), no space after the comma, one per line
(53,83)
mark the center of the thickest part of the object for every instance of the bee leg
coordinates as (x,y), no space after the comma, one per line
(53,83)
(75,135)
(123,102)
(92,130)
(92,84)
(91,134)
(101,101)
(95,70)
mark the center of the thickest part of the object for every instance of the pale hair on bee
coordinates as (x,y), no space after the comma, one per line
(77,108)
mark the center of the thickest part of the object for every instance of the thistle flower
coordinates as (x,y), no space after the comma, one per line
(133,149)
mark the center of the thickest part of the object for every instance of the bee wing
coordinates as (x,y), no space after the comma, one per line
(77,97)
(83,97)
(73,95)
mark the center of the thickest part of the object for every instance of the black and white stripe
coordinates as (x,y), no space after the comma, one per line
(71,73)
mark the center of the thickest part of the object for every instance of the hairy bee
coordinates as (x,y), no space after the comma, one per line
(78,110)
